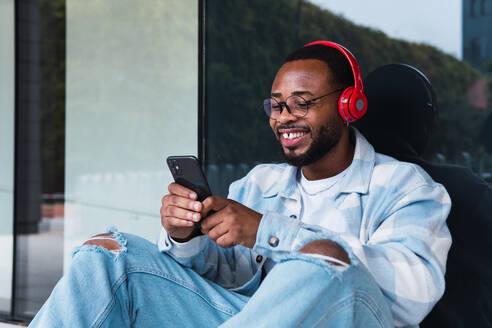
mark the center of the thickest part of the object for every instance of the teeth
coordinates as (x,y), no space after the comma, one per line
(293,135)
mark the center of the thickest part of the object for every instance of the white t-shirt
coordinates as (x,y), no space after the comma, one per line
(317,197)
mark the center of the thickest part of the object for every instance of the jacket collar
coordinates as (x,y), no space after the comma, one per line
(357,178)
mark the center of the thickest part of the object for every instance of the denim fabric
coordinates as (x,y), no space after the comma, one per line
(142,287)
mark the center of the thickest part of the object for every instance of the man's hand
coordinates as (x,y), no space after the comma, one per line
(231,224)
(179,212)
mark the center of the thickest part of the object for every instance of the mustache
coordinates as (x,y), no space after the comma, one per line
(293,126)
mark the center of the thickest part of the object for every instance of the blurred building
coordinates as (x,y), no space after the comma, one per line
(477,31)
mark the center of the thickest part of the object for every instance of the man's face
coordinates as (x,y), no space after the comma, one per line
(307,139)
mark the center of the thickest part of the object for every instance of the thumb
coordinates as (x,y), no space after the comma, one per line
(214,203)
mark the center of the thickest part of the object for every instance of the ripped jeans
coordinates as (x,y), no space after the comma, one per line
(138,286)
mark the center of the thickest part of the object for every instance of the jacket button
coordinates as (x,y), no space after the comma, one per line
(259,258)
(273,241)
(293,216)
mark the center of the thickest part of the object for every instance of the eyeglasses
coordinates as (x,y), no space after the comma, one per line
(295,105)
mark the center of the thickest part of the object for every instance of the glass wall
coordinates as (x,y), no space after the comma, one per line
(132,83)
(451,44)
(104,91)
(39,162)
(246,42)
(6,151)
(244,51)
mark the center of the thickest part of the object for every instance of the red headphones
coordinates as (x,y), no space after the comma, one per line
(352,104)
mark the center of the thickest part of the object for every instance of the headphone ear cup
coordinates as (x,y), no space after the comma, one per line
(344,103)
(357,105)
(352,105)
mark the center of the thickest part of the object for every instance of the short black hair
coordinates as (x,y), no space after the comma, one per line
(334,59)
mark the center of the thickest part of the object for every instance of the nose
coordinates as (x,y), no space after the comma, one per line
(285,115)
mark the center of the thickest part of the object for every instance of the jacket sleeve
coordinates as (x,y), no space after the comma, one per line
(405,249)
(228,267)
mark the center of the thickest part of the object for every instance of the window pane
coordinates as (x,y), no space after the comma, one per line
(239,74)
(240,71)
(39,186)
(131,101)
(7,151)
(451,44)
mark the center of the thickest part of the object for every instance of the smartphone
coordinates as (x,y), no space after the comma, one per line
(186,171)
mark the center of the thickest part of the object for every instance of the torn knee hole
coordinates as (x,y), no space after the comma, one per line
(105,240)
(328,248)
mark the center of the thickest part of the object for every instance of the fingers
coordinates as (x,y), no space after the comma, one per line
(179,190)
(217,231)
(182,202)
(215,203)
(176,222)
(180,210)
(181,213)
(226,241)
(210,222)
(221,235)
(176,214)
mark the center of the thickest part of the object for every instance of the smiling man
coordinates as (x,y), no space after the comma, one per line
(310,141)
(338,236)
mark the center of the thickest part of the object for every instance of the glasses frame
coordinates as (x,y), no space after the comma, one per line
(283,104)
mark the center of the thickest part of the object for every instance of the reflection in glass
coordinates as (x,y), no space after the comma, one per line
(132,81)
(6,152)
(243,67)
(239,76)
(40,134)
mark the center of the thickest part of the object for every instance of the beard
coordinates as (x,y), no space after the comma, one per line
(328,137)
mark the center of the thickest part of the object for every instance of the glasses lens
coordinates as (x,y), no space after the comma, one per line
(271,107)
(298,105)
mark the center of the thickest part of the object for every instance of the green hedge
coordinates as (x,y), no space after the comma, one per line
(246,44)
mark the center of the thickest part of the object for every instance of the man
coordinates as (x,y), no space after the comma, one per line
(340,236)
(400,93)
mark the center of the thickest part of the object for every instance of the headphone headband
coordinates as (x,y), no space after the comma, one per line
(350,57)
(352,103)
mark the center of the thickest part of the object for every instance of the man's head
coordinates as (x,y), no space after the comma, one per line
(310,72)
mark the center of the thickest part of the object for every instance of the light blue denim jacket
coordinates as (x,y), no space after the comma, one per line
(395,225)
